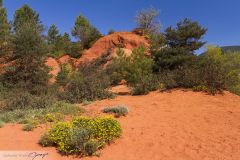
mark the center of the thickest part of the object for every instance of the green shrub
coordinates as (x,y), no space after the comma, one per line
(44,141)
(135,69)
(82,136)
(91,147)
(29,127)
(89,83)
(118,111)
(144,85)
(20,100)
(64,75)
(212,70)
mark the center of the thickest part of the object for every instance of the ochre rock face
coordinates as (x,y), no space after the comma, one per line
(125,40)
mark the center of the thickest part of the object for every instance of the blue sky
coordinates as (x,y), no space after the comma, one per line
(221,17)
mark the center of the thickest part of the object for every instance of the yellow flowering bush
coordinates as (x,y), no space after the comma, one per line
(82,135)
(60,135)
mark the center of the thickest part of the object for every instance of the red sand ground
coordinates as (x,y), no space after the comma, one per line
(179,125)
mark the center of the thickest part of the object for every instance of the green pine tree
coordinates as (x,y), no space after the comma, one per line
(29,71)
(85,32)
(5,30)
(53,34)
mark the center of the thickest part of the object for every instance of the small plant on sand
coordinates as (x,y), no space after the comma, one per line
(118,111)
(29,127)
(82,136)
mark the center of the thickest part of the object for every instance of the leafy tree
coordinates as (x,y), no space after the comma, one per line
(181,42)
(85,32)
(148,20)
(53,34)
(26,15)
(5,30)
(212,70)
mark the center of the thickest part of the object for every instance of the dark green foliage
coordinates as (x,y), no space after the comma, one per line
(181,42)
(85,32)
(28,70)
(59,45)
(118,111)
(187,35)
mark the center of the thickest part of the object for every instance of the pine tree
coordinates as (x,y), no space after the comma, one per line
(187,35)
(29,71)
(53,34)
(85,32)
(5,30)
(181,42)
(26,15)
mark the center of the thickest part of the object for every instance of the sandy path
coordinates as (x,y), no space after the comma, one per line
(181,125)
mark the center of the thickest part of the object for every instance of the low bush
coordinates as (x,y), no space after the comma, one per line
(135,69)
(20,99)
(82,136)
(90,83)
(118,111)
(51,113)
(64,75)
(29,126)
